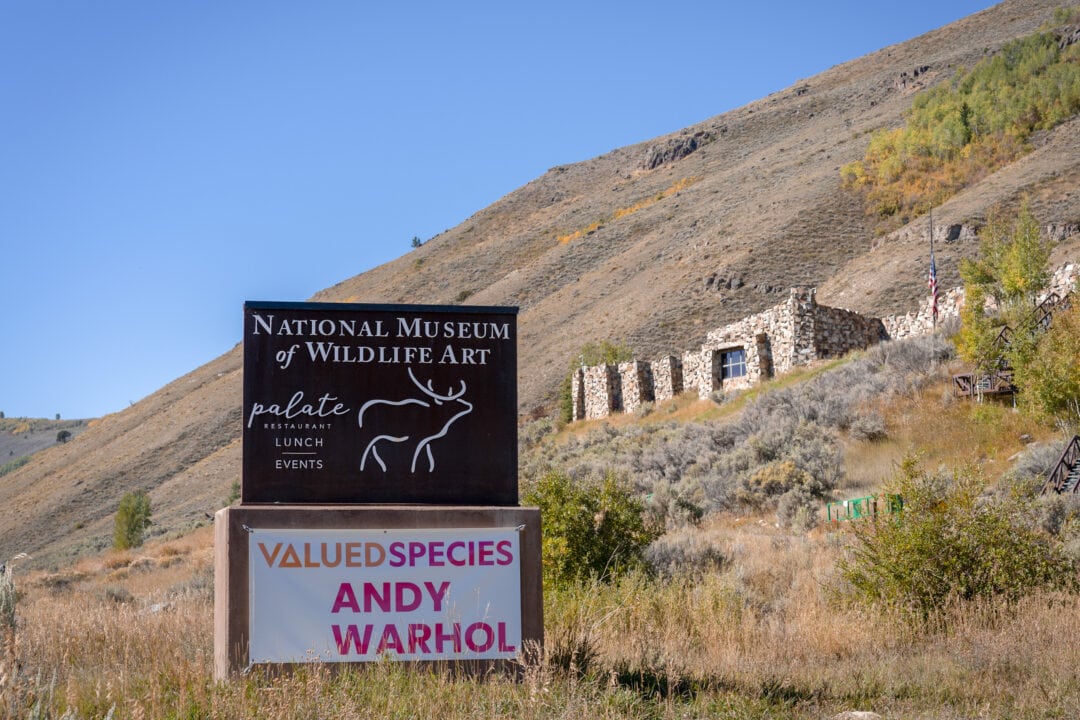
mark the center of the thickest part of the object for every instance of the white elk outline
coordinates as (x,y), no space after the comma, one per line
(425,443)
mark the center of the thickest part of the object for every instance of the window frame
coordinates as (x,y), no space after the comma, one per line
(730,360)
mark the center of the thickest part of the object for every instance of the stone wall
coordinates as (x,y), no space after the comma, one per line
(921,322)
(577,394)
(696,373)
(837,332)
(777,323)
(796,332)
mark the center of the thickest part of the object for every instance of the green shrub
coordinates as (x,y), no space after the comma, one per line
(953,542)
(234,493)
(132,519)
(14,465)
(595,528)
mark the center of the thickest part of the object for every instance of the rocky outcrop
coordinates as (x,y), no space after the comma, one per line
(676,148)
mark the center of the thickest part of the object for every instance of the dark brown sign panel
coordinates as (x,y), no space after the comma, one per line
(348,403)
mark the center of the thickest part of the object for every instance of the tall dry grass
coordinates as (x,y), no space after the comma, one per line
(762,636)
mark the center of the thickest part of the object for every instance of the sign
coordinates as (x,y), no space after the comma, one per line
(356,595)
(349,403)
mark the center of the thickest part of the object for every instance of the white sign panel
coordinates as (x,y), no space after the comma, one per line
(355,595)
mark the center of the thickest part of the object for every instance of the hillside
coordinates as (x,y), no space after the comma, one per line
(22,437)
(662,241)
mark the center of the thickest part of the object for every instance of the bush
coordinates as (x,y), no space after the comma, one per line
(798,509)
(595,528)
(132,519)
(772,481)
(685,552)
(1050,380)
(951,543)
(869,427)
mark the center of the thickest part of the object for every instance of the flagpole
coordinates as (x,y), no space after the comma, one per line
(933,275)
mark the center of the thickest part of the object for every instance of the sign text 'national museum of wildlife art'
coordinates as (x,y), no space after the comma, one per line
(379,403)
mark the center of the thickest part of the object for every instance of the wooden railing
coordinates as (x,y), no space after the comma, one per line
(1000,382)
(1039,320)
(970,384)
(1070,457)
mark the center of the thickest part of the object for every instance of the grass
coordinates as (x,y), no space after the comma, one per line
(749,621)
(761,638)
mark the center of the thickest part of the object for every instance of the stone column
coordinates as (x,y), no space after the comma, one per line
(601,391)
(577,395)
(637,384)
(667,377)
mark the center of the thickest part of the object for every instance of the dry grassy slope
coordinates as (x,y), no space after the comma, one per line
(765,208)
(62,503)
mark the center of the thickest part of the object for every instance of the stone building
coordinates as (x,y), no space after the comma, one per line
(794,333)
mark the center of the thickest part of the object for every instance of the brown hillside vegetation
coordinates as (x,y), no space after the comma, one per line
(652,244)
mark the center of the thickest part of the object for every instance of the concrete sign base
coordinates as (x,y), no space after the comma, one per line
(333,583)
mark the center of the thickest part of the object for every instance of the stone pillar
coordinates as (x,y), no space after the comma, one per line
(691,362)
(803,331)
(707,372)
(637,384)
(762,367)
(602,391)
(577,395)
(667,377)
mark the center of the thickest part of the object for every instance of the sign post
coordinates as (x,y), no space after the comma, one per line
(378,515)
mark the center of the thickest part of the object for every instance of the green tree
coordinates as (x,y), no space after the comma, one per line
(1011,270)
(1050,378)
(592,528)
(132,519)
(590,354)
(416,241)
(953,542)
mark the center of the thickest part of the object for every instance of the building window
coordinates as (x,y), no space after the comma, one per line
(732,364)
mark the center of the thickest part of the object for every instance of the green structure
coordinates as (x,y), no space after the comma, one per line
(864,507)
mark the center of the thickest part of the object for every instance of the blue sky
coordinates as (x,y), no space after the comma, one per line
(161,162)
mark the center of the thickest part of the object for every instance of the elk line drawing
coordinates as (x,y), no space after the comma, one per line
(405,423)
